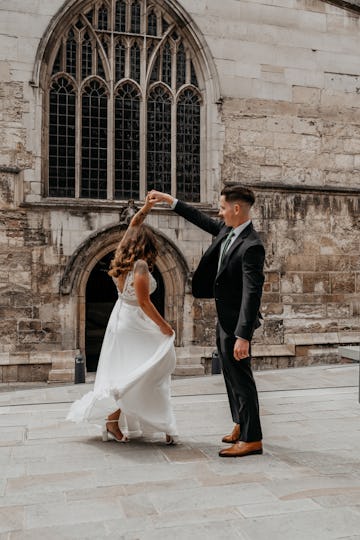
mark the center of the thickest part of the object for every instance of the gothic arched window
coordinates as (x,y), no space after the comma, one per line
(124,106)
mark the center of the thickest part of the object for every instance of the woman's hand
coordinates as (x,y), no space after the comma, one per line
(166,329)
(149,202)
(143,212)
(158,196)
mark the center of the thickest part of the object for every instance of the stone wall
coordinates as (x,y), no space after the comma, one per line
(287,123)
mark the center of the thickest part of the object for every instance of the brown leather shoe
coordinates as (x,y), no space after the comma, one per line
(241,449)
(234,435)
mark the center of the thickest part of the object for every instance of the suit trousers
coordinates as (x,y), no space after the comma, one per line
(241,388)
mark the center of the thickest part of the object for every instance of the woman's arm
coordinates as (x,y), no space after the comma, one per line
(140,216)
(142,290)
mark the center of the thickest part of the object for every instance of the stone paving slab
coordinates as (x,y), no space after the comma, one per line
(59,481)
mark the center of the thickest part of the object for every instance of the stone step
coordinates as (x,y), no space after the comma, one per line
(186,370)
(61,375)
(321,351)
(188,360)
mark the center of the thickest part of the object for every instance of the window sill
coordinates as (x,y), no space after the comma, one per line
(91,205)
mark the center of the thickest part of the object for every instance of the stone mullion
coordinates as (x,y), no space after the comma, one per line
(143,119)
(111,119)
(78,123)
(143,145)
(204,177)
(173,122)
(173,145)
(78,128)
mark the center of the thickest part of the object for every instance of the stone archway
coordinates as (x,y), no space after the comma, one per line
(170,263)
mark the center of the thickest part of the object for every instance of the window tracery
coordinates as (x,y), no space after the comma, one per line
(122,85)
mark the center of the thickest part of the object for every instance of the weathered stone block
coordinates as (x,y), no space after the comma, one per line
(9,373)
(34,373)
(316,282)
(341,282)
(29,325)
(337,263)
(310,96)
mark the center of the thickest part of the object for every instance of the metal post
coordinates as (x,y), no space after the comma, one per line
(79,369)
(215,363)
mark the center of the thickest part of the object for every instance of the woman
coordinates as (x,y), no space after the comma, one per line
(137,355)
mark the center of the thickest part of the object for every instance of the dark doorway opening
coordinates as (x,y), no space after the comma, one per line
(101,295)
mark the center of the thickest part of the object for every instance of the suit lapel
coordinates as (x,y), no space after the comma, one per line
(220,237)
(234,246)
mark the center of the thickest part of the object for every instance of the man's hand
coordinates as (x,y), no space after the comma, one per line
(241,349)
(158,196)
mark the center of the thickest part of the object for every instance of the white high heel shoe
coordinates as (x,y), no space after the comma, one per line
(109,436)
(170,441)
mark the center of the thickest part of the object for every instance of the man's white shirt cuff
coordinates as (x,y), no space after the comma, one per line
(174,203)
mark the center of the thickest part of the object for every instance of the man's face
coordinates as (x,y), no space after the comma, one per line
(233,213)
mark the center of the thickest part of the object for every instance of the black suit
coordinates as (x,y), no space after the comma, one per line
(237,288)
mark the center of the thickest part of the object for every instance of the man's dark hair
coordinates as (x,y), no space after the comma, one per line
(237,192)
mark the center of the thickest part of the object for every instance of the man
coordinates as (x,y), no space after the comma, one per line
(231,271)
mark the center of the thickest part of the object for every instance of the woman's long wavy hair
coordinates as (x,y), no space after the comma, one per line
(140,243)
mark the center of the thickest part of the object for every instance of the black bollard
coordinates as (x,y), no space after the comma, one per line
(79,369)
(215,363)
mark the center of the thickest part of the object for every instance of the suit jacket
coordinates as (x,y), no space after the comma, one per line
(237,285)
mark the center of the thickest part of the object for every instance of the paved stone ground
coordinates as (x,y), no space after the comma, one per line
(59,481)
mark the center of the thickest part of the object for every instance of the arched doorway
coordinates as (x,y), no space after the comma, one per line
(100,297)
(171,268)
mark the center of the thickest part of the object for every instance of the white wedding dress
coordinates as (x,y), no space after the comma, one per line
(135,365)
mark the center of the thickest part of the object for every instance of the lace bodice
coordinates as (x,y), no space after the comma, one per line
(128,294)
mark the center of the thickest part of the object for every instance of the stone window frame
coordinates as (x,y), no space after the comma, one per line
(50,53)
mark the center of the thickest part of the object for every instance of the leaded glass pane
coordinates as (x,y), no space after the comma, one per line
(127,143)
(71,54)
(90,16)
(94,142)
(100,70)
(193,79)
(86,57)
(180,66)
(135,17)
(159,140)
(103,18)
(154,77)
(188,147)
(120,52)
(135,62)
(164,25)
(79,24)
(105,44)
(62,121)
(57,62)
(152,24)
(166,64)
(120,16)
(150,49)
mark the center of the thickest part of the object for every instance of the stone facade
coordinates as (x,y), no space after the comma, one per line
(283,115)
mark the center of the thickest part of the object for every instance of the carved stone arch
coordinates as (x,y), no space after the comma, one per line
(91,78)
(171,264)
(162,85)
(132,83)
(189,87)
